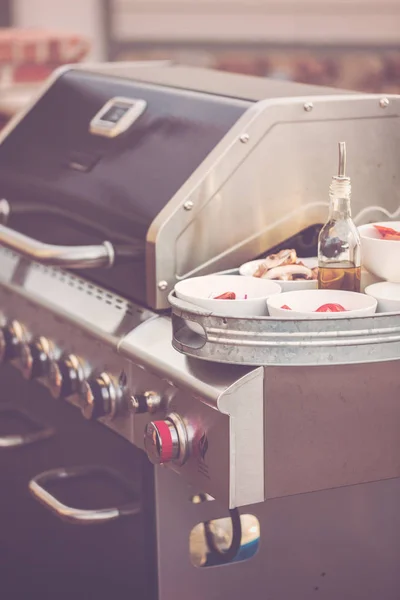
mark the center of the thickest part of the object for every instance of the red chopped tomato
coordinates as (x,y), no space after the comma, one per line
(226,296)
(388,233)
(331,308)
(286,307)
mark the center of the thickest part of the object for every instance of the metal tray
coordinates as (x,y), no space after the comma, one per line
(268,341)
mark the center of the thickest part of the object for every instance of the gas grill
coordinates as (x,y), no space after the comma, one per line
(120,180)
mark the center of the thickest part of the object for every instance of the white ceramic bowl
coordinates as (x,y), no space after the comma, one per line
(249,268)
(387,294)
(367,279)
(198,291)
(304,302)
(380,257)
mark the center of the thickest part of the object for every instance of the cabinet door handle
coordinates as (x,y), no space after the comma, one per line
(23,439)
(75,515)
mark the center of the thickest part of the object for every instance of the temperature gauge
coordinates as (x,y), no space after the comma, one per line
(116,116)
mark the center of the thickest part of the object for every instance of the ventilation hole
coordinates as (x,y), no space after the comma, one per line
(200,554)
(109,302)
(198,498)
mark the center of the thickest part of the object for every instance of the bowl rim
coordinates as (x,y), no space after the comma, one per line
(263,297)
(362,229)
(352,311)
(378,297)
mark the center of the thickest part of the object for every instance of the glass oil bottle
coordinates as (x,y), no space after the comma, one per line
(339,246)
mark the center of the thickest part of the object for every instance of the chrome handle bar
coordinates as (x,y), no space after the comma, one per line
(68,257)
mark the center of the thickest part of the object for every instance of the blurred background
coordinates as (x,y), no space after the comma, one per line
(352,44)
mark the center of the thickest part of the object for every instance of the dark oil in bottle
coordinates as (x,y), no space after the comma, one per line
(339,277)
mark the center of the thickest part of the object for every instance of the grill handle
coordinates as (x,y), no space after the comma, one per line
(68,257)
(77,516)
(17,440)
(14,441)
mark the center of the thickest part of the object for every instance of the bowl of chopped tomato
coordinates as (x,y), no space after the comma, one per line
(228,295)
(321,304)
(380,248)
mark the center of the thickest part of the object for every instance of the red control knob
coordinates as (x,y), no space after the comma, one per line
(161,441)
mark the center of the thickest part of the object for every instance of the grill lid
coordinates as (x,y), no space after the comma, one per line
(98,157)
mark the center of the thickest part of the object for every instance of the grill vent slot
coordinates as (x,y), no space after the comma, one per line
(88,288)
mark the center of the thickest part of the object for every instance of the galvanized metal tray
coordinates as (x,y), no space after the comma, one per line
(268,341)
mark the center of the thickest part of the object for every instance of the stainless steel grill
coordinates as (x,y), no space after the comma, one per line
(116,183)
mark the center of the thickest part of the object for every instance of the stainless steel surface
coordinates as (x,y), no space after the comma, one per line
(268,341)
(259,191)
(161,442)
(93,309)
(221,406)
(68,513)
(107,334)
(69,257)
(210,81)
(328,427)
(341,543)
(84,323)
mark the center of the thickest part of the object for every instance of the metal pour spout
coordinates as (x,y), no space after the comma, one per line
(342,160)
(341,185)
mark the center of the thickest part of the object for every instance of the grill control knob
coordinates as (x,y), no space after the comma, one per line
(44,366)
(166,440)
(42,355)
(148,402)
(99,397)
(16,348)
(72,374)
(2,346)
